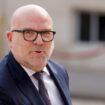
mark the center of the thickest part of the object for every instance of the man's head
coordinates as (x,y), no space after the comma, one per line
(31,36)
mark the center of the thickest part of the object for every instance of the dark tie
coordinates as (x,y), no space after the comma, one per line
(42,89)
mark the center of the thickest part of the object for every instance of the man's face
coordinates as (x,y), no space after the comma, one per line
(33,55)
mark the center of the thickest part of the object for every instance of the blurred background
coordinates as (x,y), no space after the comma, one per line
(79,43)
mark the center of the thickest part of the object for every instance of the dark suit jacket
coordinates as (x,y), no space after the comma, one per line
(16,88)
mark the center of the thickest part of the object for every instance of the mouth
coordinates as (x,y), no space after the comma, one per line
(38,51)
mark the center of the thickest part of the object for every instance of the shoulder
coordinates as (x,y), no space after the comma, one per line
(4,72)
(58,69)
(55,64)
(3,65)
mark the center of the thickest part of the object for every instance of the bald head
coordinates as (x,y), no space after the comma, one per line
(31,19)
(28,13)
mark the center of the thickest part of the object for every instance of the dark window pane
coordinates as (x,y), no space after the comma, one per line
(85,27)
(102,28)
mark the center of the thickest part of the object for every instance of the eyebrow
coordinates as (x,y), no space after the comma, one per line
(36,30)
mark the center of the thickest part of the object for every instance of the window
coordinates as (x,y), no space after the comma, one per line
(92,27)
(102,28)
(85,27)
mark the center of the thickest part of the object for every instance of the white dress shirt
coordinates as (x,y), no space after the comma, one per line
(53,92)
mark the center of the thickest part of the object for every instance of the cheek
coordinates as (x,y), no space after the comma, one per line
(50,48)
(19,46)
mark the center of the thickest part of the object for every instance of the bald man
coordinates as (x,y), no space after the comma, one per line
(31,43)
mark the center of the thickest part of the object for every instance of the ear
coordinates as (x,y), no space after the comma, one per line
(9,38)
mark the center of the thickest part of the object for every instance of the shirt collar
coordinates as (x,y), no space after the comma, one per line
(31,72)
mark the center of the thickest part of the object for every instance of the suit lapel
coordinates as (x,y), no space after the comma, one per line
(23,81)
(59,82)
(29,90)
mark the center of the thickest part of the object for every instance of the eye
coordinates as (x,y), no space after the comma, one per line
(47,33)
(29,32)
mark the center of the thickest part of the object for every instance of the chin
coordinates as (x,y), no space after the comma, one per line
(39,65)
(38,69)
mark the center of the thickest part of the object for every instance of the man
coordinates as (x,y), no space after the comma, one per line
(31,43)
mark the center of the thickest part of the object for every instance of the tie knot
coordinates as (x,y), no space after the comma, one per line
(38,75)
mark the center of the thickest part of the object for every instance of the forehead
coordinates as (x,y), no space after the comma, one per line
(33,23)
(31,17)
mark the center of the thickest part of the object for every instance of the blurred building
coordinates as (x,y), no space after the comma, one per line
(79,42)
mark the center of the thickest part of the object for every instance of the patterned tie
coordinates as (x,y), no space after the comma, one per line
(42,89)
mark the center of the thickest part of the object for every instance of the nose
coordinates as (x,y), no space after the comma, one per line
(38,40)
